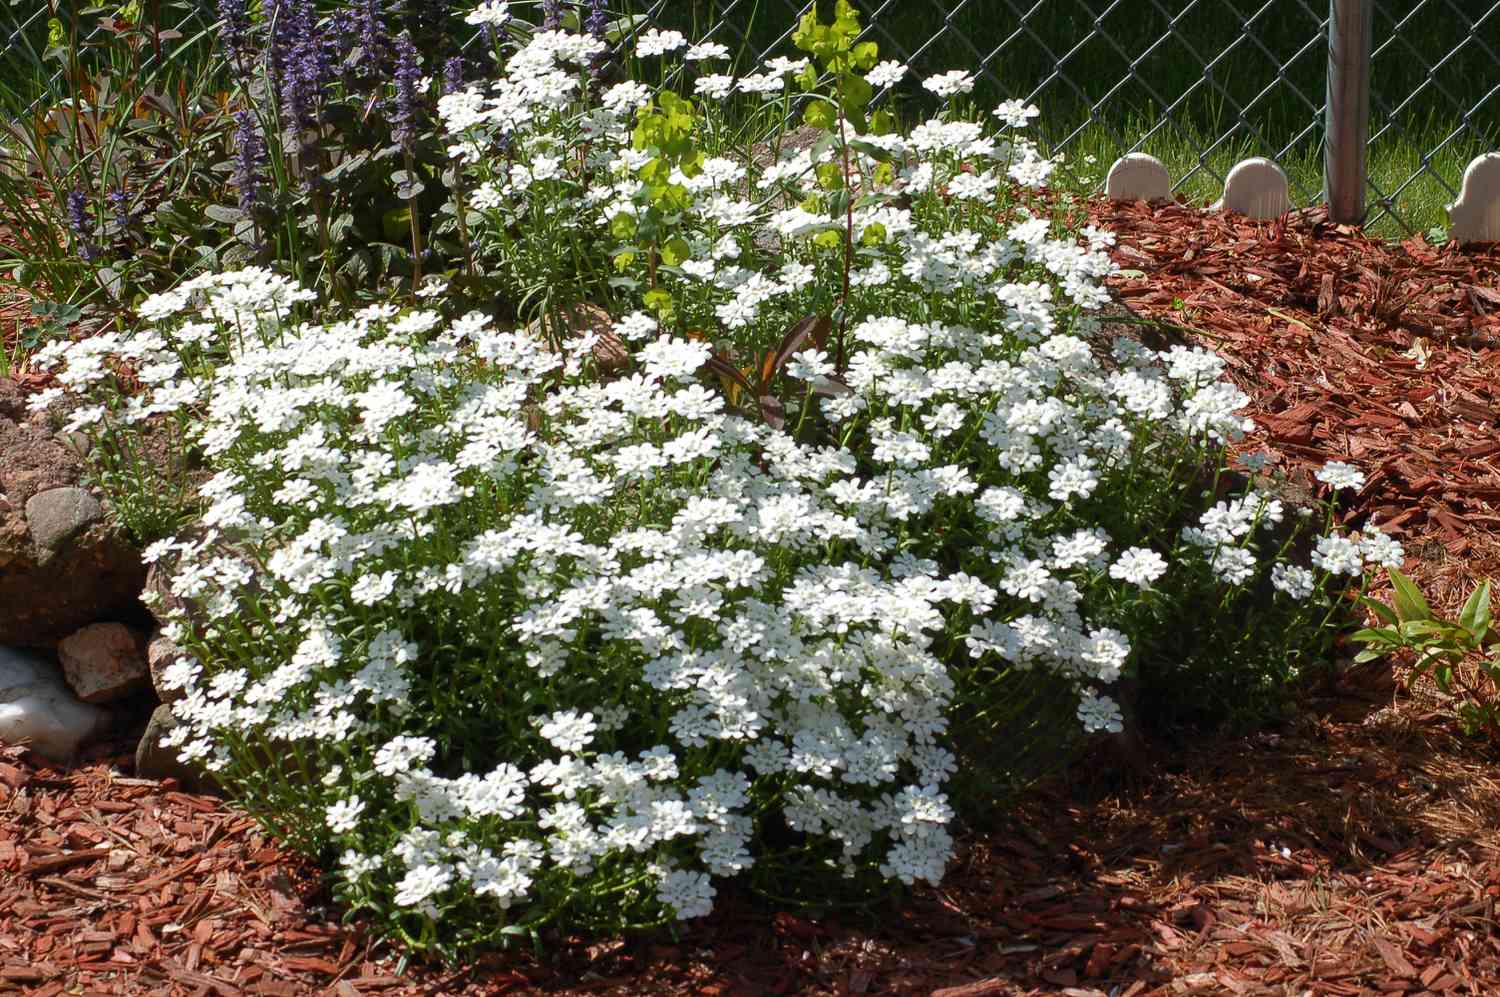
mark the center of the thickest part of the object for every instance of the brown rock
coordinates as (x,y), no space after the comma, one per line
(161,653)
(92,574)
(609,352)
(155,760)
(104,662)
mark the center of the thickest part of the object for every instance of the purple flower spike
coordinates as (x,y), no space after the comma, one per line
(234,27)
(77,204)
(249,162)
(597,23)
(406,113)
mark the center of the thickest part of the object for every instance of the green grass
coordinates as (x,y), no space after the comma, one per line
(1418,207)
(1114,86)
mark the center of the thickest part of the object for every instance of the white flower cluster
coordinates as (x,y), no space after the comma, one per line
(558,633)
(525,110)
(778,614)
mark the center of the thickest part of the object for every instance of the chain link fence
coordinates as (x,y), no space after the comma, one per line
(1453,105)
(1199,83)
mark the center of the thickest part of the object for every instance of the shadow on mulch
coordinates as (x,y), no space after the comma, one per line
(1351,851)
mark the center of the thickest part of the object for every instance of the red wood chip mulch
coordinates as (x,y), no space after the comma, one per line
(1352,852)
(1380,354)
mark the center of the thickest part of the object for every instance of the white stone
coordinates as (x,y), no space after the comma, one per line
(103,662)
(36,708)
(1257,188)
(1475,216)
(1138,177)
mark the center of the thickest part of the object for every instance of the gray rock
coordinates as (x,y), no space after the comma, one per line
(76,443)
(154,760)
(36,708)
(57,515)
(104,662)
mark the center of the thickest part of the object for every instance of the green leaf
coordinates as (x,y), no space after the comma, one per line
(57,313)
(1379,608)
(675,251)
(1383,635)
(342,225)
(882,122)
(659,301)
(870,149)
(818,115)
(622,226)
(1424,628)
(223,213)
(1409,602)
(358,265)
(1475,616)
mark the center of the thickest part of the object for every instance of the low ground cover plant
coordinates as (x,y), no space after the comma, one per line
(1455,653)
(512,637)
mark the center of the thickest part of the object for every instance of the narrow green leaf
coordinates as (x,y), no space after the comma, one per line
(1475,616)
(1382,635)
(1409,602)
(1380,609)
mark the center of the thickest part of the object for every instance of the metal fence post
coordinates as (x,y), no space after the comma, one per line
(1347,115)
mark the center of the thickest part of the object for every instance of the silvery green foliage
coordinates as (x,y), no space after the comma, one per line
(522,643)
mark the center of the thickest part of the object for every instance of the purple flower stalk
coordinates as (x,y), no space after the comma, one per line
(299,62)
(119,205)
(597,23)
(406,112)
(249,162)
(551,15)
(77,204)
(453,74)
(282,17)
(374,39)
(234,28)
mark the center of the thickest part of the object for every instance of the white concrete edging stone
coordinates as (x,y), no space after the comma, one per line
(1258,188)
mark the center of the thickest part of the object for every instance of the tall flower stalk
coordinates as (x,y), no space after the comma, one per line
(405,127)
(249,176)
(82,225)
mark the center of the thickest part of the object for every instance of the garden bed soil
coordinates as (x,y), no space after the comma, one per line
(1355,850)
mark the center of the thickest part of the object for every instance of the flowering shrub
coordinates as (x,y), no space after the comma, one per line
(521,643)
